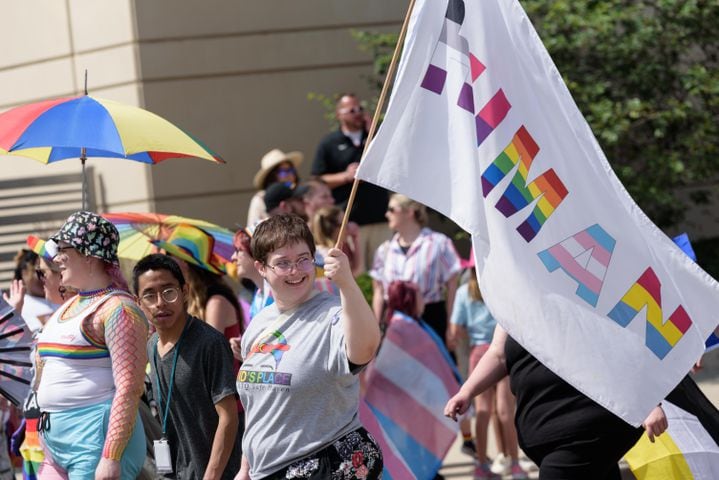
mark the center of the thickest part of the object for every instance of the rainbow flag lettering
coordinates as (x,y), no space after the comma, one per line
(571,256)
(660,336)
(547,187)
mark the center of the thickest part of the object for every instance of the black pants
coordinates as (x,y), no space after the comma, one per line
(356,455)
(588,458)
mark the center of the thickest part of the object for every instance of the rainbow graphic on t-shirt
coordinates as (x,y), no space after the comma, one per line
(275,344)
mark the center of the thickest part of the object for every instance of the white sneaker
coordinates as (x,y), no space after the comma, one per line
(501,464)
(526,464)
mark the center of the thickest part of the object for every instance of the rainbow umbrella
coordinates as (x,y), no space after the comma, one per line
(88,127)
(145,233)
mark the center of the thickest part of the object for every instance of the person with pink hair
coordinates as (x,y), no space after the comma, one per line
(91,361)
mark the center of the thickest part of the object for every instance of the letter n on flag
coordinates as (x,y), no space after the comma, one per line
(406,388)
(481,127)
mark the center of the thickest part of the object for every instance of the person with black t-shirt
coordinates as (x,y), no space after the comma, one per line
(336,161)
(192,379)
(568,435)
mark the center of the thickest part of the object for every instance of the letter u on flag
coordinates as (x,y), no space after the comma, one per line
(481,127)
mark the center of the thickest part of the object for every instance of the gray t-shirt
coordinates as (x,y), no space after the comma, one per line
(203,377)
(295,384)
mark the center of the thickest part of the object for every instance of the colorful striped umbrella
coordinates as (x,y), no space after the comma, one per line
(87,127)
(145,233)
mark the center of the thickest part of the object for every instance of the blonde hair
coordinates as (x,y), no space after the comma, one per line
(473,286)
(420,211)
(325,223)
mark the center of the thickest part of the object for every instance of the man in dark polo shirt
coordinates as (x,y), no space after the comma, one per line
(336,161)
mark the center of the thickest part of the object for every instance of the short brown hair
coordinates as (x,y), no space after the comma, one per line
(278,231)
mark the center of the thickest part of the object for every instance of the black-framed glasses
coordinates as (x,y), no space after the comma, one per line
(168,295)
(284,267)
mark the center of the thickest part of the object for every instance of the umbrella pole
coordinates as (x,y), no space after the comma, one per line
(83,157)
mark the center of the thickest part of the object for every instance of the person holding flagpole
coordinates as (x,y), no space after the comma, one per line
(568,435)
(302,355)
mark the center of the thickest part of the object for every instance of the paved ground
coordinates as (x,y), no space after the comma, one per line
(458,466)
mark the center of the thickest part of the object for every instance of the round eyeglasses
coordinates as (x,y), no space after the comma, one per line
(284,267)
(168,295)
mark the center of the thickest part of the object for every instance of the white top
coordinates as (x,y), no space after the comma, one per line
(36,310)
(257,210)
(76,372)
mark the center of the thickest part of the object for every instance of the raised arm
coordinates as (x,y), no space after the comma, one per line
(362,335)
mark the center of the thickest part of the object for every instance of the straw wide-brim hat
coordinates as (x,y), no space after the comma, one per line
(271,160)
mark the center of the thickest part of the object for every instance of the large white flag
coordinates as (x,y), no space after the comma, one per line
(481,127)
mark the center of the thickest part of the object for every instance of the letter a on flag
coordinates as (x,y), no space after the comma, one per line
(481,127)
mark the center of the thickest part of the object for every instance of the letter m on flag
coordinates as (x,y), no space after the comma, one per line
(547,187)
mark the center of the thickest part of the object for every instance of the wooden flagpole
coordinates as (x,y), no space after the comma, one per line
(375,119)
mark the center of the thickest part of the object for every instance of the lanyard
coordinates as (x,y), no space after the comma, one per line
(172,379)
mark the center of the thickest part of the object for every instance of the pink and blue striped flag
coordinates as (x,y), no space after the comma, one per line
(407,387)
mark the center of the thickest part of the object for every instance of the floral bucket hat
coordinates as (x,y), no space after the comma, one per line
(91,235)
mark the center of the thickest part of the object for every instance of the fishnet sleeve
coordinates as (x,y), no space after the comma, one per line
(124,328)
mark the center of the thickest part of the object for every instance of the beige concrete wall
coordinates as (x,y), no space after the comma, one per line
(237,74)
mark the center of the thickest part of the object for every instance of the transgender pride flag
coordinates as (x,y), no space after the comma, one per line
(406,388)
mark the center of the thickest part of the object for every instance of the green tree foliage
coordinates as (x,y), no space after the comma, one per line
(645,74)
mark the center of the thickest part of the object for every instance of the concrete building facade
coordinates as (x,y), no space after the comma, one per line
(234,74)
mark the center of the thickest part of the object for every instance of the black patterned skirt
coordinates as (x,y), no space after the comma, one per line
(354,456)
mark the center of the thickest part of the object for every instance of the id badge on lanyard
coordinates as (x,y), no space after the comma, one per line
(163,459)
